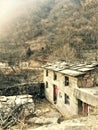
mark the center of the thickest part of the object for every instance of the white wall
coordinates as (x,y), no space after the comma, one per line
(65,109)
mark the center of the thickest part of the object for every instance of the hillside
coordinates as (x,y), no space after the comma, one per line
(51,29)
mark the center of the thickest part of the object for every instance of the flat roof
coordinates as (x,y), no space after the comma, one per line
(85,69)
(66,68)
(71,72)
(92,91)
(87,95)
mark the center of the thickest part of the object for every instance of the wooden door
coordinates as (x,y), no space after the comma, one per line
(55,91)
(85,109)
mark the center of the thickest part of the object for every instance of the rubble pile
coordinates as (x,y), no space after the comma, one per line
(12,108)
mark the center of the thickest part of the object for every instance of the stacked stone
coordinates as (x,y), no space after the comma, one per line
(9,103)
(87,81)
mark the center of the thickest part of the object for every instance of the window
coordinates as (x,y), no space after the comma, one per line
(55,76)
(46,84)
(67,99)
(46,72)
(60,95)
(66,81)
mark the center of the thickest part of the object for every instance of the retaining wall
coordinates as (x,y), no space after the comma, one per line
(34,89)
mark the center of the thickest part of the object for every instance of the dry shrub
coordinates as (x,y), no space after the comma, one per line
(65,52)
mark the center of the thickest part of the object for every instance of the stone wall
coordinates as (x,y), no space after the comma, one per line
(17,100)
(8,103)
(34,89)
(14,107)
(89,80)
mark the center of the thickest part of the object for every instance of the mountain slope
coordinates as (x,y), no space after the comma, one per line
(61,29)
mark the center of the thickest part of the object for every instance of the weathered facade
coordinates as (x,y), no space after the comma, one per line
(72,88)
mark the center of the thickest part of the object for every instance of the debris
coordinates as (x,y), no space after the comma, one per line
(14,108)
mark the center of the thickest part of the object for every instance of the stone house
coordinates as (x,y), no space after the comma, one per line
(72,88)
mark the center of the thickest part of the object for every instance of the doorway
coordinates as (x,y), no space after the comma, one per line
(80,107)
(85,109)
(55,92)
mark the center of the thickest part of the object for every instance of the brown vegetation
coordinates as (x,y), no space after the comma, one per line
(65,27)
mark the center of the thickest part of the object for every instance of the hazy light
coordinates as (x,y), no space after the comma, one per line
(6,9)
(11,8)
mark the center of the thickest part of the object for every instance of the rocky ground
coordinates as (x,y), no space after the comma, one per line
(45,114)
(83,123)
(46,117)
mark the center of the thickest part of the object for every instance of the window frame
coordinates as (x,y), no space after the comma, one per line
(66,80)
(47,73)
(54,76)
(66,99)
(47,84)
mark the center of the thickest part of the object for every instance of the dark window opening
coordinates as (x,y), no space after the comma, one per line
(96,80)
(55,76)
(80,106)
(46,84)
(67,99)
(66,81)
(46,72)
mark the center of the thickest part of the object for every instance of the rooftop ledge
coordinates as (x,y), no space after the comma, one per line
(87,95)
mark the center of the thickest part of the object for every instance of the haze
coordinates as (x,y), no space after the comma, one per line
(11,9)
